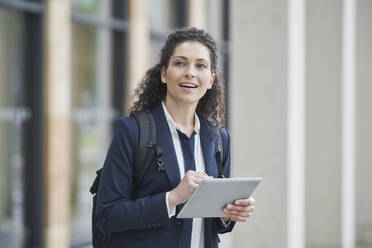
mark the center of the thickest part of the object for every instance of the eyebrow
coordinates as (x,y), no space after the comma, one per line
(183,57)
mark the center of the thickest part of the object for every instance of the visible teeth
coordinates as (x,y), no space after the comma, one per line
(188,85)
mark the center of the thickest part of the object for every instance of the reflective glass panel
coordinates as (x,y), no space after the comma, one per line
(162,19)
(12,114)
(215,18)
(162,14)
(96,8)
(155,47)
(91,7)
(92,117)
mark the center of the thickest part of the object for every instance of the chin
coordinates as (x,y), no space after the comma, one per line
(188,100)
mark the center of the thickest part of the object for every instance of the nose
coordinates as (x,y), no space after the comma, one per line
(190,72)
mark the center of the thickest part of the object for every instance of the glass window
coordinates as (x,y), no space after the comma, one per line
(91,7)
(215,25)
(155,47)
(215,19)
(12,114)
(92,116)
(162,14)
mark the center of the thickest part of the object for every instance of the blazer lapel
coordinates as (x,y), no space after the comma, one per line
(208,143)
(166,143)
(208,146)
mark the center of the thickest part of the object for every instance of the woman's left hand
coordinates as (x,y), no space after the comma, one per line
(240,210)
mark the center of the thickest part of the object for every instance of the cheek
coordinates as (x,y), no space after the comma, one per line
(206,78)
(172,73)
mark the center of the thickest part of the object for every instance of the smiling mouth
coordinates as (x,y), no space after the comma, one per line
(189,86)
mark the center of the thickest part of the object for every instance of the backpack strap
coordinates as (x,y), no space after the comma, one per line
(94,188)
(146,150)
(219,155)
(147,147)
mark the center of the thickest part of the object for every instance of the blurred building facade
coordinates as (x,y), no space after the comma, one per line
(68,69)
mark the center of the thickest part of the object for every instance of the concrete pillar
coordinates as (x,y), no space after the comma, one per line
(57,80)
(363,124)
(104,86)
(197,10)
(323,123)
(335,200)
(4,147)
(258,115)
(138,46)
(214,18)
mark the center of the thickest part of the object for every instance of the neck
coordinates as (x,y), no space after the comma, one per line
(182,114)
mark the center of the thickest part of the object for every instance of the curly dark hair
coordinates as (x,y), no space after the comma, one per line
(151,90)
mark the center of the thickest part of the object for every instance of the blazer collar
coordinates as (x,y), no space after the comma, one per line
(208,143)
(174,125)
(165,141)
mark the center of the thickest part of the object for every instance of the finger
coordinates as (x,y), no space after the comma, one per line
(245,210)
(237,218)
(196,180)
(201,175)
(246,202)
(192,186)
(190,173)
(193,178)
(240,208)
(196,174)
(245,214)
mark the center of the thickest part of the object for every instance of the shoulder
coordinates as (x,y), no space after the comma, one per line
(127,123)
(127,128)
(225,135)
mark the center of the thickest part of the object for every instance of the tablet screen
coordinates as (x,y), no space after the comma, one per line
(213,194)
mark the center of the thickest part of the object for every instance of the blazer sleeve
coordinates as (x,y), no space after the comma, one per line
(222,227)
(117,210)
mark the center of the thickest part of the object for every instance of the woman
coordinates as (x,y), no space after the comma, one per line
(186,100)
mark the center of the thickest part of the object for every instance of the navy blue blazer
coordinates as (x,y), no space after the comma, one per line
(138,217)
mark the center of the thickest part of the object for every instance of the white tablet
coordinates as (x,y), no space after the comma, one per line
(213,194)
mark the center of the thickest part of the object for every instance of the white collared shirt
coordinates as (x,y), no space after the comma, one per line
(197,235)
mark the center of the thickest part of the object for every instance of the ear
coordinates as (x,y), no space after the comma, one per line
(163,75)
(213,77)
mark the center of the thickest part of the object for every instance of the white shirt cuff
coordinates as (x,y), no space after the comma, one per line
(224,223)
(171,211)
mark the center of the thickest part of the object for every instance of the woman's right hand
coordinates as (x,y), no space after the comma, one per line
(185,188)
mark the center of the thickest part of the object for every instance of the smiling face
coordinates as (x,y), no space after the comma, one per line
(188,75)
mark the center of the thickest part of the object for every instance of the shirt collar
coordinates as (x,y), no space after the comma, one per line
(173,125)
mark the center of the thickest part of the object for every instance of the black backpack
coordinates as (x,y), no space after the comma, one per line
(147,149)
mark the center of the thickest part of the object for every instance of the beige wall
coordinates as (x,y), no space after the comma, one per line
(138,47)
(258,115)
(258,112)
(323,123)
(57,83)
(364,124)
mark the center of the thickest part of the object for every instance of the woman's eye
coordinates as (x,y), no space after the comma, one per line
(202,66)
(179,63)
